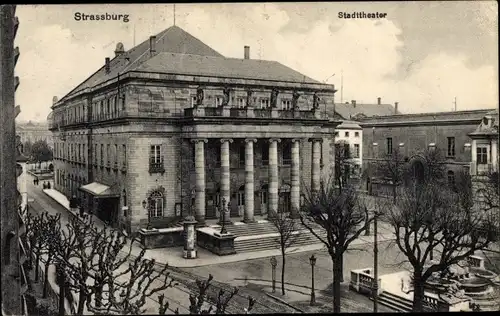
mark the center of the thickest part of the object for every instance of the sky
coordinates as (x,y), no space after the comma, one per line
(422,54)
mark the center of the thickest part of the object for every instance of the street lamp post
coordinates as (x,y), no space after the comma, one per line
(375,264)
(312,260)
(223,228)
(274,263)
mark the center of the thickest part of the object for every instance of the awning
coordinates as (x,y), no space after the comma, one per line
(100,190)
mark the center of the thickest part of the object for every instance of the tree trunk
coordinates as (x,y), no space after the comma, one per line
(37,267)
(62,291)
(418,294)
(283,273)
(46,278)
(337,272)
(341,267)
(81,300)
(98,292)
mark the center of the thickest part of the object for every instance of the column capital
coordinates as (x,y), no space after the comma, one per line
(271,140)
(223,140)
(196,140)
(316,139)
(247,140)
(296,140)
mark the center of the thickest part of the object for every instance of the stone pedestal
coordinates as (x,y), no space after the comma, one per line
(215,242)
(189,251)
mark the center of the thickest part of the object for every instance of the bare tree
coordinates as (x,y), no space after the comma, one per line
(199,301)
(287,229)
(392,168)
(427,218)
(341,213)
(50,232)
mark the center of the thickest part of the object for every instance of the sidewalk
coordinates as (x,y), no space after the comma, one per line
(173,256)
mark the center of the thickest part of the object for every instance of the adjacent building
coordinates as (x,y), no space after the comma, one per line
(171,127)
(34,131)
(350,134)
(466,139)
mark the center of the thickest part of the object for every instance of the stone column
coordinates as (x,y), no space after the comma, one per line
(316,167)
(199,163)
(295,175)
(473,151)
(272,200)
(225,181)
(249,181)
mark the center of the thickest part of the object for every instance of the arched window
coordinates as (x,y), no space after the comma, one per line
(156,204)
(451,179)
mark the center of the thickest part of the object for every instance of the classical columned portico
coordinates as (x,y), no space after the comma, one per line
(249,180)
(316,164)
(199,147)
(273,176)
(295,178)
(225,194)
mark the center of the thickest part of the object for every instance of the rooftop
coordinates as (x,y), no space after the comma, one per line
(430,116)
(178,52)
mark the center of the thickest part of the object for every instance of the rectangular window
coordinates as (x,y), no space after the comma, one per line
(108,108)
(356,134)
(451,147)
(115,104)
(95,154)
(347,151)
(115,155)
(108,157)
(286,104)
(482,155)
(84,152)
(356,150)
(154,155)
(287,154)
(265,155)
(218,101)
(102,154)
(79,152)
(388,143)
(124,150)
(241,103)
(346,134)
(337,134)
(242,156)
(264,103)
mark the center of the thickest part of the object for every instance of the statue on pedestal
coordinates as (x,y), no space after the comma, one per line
(199,96)
(295,100)
(316,100)
(274,98)
(226,92)
(249,98)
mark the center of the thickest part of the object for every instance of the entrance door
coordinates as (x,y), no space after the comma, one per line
(241,200)
(263,199)
(284,199)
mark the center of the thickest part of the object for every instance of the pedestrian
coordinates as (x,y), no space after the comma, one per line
(44,185)
(402,284)
(48,185)
(34,181)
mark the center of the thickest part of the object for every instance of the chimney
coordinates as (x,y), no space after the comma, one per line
(379,100)
(152,44)
(247,52)
(396,107)
(353,102)
(106,65)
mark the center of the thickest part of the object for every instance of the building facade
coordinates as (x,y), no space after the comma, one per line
(171,128)
(457,135)
(350,134)
(34,131)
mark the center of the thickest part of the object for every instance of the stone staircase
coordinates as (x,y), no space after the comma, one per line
(262,235)
(394,302)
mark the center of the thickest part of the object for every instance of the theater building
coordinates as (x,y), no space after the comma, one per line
(171,127)
(466,139)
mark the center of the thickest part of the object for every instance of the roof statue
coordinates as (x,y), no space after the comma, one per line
(226,92)
(316,100)
(274,98)
(295,100)
(119,48)
(249,97)
(199,96)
